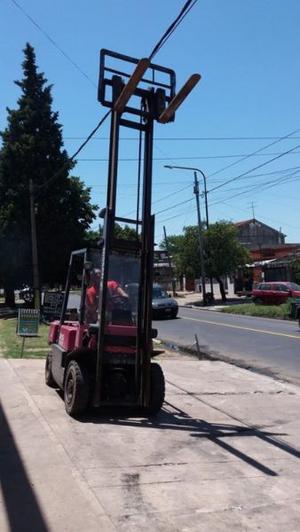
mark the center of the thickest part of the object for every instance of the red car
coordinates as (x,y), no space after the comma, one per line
(275,293)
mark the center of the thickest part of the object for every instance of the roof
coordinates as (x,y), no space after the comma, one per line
(244,223)
(286,247)
(283,261)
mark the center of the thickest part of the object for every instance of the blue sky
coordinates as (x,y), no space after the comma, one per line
(247,54)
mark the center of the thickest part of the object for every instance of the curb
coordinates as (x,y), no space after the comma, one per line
(204,355)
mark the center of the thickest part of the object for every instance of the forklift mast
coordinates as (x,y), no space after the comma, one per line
(138,93)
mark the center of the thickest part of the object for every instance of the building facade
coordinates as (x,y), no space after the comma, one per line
(255,234)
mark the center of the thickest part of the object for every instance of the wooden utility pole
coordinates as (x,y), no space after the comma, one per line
(35,264)
(196,192)
(169,261)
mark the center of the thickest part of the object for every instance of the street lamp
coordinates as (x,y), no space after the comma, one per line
(171,167)
(195,170)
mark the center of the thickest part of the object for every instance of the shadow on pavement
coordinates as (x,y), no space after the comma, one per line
(22,508)
(179,420)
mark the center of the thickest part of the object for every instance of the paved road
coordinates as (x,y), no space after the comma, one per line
(272,345)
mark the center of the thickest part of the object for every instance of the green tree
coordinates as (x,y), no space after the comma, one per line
(176,251)
(92,237)
(295,269)
(184,250)
(222,252)
(32,148)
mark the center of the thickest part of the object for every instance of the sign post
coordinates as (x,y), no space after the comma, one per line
(28,324)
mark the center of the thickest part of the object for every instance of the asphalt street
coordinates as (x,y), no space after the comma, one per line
(270,345)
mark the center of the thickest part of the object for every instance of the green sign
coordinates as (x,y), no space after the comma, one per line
(28,322)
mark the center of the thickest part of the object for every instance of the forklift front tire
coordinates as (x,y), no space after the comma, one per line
(76,389)
(157,390)
(48,372)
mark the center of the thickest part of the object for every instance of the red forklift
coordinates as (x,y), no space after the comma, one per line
(101,353)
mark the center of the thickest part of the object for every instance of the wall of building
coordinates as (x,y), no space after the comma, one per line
(255,234)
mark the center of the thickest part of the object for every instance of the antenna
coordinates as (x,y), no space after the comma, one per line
(252,205)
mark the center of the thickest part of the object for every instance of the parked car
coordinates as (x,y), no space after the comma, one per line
(275,293)
(27,294)
(163,305)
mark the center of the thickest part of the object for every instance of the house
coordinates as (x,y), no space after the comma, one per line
(269,252)
(255,234)
(163,270)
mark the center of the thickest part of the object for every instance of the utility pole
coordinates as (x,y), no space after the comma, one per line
(35,264)
(196,192)
(205,192)
(172,167)
(169,261)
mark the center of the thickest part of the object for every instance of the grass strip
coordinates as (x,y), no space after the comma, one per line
(264,311)
(11,344)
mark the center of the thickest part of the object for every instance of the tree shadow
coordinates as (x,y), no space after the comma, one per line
(22,507)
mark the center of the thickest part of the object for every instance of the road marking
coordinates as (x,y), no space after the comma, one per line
(263,331)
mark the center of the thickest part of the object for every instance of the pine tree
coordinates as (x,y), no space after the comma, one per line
(32,148)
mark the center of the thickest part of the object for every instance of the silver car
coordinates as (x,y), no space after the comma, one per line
(163,305)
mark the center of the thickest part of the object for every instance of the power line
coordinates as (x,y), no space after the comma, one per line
(255,168)
(255,152)
(262,218)
(175,205)
(184,11)
(211,204)
(66,165)
(172,194)
(259,184)
(191,138)
(161,183)
(184,158)
(91,134)
(53,42)
(274,182)
(171,206)
(187,7)
(178,215)
(269,184)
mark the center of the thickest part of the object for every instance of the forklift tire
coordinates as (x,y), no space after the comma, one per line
(76,389)
(157,389)
(48,372)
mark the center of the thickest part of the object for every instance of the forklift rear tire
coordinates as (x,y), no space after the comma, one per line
(76,389)
(157,390)
(48,372)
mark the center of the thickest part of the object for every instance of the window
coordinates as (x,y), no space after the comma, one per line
(294,286)
(283,288)
(265,286)
(158,292)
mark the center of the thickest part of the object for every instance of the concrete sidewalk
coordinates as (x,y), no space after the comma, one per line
(195,298)
(222,455)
